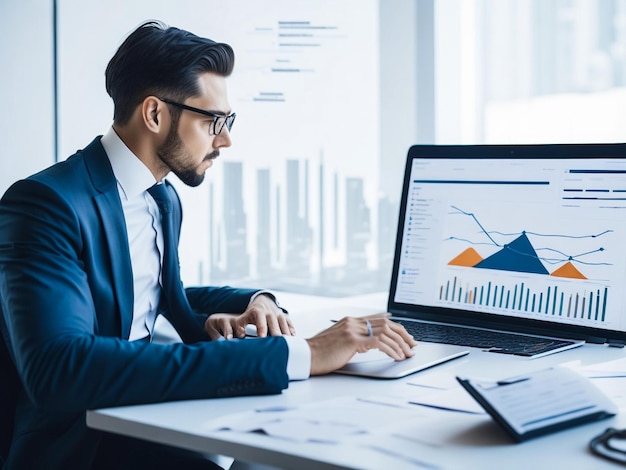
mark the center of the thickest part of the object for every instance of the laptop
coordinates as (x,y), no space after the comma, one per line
(512,249)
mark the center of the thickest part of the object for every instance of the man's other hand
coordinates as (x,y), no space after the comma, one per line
(262,312)
(335,346)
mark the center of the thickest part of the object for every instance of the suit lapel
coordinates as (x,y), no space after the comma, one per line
(109,206)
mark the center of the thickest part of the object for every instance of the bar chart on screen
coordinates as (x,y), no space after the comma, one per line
(562,274)
(556,300)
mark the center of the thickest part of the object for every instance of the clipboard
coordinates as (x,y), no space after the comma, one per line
(541,402)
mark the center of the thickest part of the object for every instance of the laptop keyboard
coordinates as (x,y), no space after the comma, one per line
(492,341)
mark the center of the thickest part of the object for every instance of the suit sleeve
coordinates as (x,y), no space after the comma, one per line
(53,323)
(219,299)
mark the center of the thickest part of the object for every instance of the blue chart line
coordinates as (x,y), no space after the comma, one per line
(518,253)
(553,300)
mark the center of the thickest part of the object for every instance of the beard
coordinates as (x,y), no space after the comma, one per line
(178,160)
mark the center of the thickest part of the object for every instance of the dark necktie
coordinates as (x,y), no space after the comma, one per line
(180,313)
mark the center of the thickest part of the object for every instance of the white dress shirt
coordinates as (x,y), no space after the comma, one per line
(145,240)
(143,226)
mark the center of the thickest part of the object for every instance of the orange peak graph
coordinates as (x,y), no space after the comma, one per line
(568,270)
(470,258)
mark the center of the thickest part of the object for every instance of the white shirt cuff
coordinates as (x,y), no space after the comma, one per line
(266,292)
(299,359)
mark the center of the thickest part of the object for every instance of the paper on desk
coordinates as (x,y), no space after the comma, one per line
(608,369)
(614,388)
(431,437)
(440,390)
(453,399)
(609,376)
(401,448)
(353,420)
(327,421)
(436,380)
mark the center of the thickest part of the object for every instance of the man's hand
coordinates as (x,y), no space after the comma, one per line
(262,312)
(335,346)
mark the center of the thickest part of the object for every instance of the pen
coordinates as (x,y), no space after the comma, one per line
(273,409)
(512,381)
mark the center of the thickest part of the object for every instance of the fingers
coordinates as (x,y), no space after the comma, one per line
(227,330)
(239,329)
(212,332)
(263,313)
(273,325)
(394,346)
(387,336)
(219,325)
(285,326)
(268,318)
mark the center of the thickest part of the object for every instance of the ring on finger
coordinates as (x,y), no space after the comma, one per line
(370,332)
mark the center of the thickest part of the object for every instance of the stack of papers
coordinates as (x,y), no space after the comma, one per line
(329,421)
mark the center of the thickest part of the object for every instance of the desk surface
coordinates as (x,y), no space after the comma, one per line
(437,439)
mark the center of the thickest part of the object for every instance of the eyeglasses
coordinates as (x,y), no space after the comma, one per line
(219,120)
(610,445)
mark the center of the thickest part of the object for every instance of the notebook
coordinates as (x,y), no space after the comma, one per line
(524,242)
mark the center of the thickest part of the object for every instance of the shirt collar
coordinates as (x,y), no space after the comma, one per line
(131,174)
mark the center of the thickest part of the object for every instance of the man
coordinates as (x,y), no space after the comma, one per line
(85,269)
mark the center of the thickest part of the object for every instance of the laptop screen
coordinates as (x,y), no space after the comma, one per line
(528,238)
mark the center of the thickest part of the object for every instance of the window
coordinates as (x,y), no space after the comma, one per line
(328,102)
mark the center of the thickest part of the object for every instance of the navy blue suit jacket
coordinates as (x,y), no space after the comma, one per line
(66,292)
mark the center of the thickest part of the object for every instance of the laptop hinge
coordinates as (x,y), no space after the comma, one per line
(595,340)
(615,343)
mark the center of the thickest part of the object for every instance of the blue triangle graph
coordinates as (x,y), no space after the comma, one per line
(519,256)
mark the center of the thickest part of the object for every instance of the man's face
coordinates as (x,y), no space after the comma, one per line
(190,148)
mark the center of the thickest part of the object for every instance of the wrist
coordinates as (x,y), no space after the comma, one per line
(272,297)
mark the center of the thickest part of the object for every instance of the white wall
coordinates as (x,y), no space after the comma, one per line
(26,89)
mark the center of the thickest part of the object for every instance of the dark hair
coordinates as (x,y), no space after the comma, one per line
(159,60)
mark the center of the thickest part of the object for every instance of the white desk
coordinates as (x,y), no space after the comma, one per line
(444,439)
